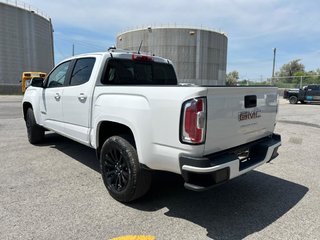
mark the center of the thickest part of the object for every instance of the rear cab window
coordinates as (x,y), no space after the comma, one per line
(130,72)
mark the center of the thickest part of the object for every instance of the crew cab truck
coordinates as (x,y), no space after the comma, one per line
(130,108)
(310,93)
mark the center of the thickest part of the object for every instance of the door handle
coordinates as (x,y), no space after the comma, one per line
(82,97)
(57,96)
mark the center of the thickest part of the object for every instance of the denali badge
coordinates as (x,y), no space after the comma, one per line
(249,115)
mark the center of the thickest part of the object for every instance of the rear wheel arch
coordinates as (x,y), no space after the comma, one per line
(108,129)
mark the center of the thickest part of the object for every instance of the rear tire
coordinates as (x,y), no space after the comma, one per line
(122,174)
(35,131)
(293,100)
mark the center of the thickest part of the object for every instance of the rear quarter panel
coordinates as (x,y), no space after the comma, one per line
(153,115)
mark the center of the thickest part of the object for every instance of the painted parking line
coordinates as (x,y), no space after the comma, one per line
(135,237)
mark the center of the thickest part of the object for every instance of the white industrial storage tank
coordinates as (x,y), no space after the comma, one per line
(26,43)
(199,55)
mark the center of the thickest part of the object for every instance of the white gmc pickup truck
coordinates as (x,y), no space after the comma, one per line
(130,108)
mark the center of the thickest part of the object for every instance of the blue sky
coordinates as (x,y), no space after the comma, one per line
(253,27)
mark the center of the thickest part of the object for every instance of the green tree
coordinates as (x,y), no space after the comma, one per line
(311,77)
(232,78)
(291,69)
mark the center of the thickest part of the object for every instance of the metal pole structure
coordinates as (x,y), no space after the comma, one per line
(72,49)
(274,63)
(301,82)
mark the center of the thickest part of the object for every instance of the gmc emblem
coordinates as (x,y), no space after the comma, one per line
(247,115)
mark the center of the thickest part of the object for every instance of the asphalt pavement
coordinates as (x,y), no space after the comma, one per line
(54,190)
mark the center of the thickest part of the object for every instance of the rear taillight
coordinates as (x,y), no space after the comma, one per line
(193,124)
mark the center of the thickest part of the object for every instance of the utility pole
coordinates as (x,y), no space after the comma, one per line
(73,49)
(274,63)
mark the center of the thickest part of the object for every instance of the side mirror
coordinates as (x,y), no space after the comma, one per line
(37,82)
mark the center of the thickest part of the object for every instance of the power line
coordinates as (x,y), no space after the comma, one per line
(82,42)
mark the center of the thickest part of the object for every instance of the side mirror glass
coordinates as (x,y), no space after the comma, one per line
(37,82)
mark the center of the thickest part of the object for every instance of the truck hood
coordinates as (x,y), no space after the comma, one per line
(294,90)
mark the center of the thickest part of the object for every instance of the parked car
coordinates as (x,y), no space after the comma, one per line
(310,93)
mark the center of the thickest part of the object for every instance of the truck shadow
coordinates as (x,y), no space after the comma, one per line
(231,211)
(77,151)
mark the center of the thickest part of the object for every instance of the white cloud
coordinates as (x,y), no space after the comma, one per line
(233,16)
(253,27)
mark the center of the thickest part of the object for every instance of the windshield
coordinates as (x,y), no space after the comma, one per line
(129,72)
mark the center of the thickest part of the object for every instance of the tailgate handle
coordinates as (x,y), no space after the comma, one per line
(250,101)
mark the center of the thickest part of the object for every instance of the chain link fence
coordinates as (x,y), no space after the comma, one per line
(283,82)
(295,81)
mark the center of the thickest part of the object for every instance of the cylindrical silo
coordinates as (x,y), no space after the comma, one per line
(199,55)
(26,44)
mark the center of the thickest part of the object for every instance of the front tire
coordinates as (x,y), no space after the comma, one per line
(35,131)
(293,100)
(122,174)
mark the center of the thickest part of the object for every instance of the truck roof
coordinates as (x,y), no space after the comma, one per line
(124,54)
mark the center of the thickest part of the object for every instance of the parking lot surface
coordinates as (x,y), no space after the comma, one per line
(54,190)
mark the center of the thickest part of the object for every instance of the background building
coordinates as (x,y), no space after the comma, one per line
(26,44)
(199,55)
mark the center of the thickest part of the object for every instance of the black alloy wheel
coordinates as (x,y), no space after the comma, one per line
(121,170)
(117,171)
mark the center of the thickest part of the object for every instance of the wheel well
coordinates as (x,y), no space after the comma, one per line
(26,105)
(108,129)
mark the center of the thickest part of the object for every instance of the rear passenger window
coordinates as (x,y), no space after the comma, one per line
(82,71)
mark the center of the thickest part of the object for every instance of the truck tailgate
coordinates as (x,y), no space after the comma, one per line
(238,115)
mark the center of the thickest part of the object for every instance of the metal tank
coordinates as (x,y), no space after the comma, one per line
(26,44)
(199,55)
